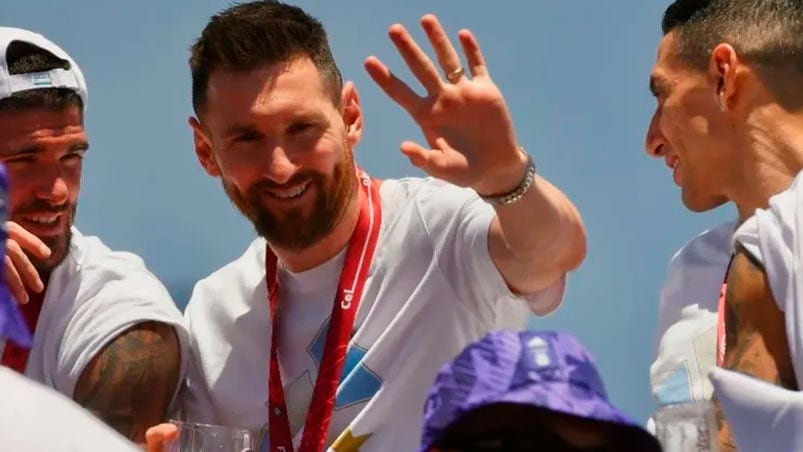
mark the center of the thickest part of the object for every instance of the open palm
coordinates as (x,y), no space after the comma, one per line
(465,120)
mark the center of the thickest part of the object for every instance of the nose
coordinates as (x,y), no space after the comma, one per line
(280,168)
(52,187)
(655,141)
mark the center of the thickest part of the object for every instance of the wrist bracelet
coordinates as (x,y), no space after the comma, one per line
(520,190)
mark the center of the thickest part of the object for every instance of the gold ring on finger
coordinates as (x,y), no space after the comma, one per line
(455,75)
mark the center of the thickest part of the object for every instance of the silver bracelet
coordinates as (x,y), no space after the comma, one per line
(520,190)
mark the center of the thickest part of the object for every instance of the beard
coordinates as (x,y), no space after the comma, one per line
(59,244)
(294,229)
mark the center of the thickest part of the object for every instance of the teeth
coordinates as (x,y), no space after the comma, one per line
(292,193)
(44,220)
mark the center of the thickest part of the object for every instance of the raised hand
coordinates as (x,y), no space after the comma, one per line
(464,119)
(19,271)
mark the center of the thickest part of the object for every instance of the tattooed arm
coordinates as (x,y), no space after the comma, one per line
(130,383)
(755,336)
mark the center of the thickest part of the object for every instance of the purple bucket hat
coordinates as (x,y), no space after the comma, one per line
(548,371)
(12,325)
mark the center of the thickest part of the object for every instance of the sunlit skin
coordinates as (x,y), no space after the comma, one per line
(688,131)
(42,151)
(283,151)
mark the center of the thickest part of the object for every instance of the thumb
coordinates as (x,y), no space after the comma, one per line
(157,436)
(438,162)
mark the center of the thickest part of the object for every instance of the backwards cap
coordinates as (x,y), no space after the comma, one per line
(71,78)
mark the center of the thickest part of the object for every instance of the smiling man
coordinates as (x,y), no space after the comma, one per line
(329,329)
(729,124)
(106,332)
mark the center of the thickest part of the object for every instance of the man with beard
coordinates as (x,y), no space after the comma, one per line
(728,123)
(106,332)
(417,267)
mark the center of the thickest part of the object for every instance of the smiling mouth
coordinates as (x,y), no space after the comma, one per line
(672,162)
(44,219)
(290,193)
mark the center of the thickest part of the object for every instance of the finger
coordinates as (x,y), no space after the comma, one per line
(27,240)
(429,160)
(14,282)
(392,85)
(436,162)
(474,58)
(23,265)
(418,61)
(445,51)
(155,437)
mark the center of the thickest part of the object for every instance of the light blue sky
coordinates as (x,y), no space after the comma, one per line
(575,76)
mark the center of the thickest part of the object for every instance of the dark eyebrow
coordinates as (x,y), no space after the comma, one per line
(316,117)
(82,146)
(659,84)
(237,129)
(30,150)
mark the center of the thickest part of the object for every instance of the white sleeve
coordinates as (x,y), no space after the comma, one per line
(773,236)
(114,308)
(459,222)
(35,418)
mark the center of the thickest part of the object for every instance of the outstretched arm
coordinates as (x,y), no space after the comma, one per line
(472,143)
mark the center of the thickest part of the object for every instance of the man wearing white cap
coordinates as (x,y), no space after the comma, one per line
(106,332)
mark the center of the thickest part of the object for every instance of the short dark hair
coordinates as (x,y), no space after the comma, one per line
(247,36)
(25,58)
(766,33)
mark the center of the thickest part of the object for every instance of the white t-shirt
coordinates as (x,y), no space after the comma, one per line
(35,418)
(774,236)
(687,320)
(92,296)
(432,289)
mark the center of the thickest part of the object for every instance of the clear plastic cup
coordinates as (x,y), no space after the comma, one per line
(193,437)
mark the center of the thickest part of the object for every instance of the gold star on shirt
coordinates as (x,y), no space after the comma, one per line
(346,442)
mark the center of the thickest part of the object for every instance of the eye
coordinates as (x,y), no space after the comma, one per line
(73,157)
(299,127)
(247,137)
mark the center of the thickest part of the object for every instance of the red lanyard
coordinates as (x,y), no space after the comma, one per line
(723,290)
(344,309)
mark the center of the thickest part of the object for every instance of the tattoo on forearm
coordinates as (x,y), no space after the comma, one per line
(130,383)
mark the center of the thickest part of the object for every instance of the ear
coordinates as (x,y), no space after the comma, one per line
(352,113)
(203,148)
(723,66)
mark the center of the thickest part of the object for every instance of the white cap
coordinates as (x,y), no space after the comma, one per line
(71,78)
